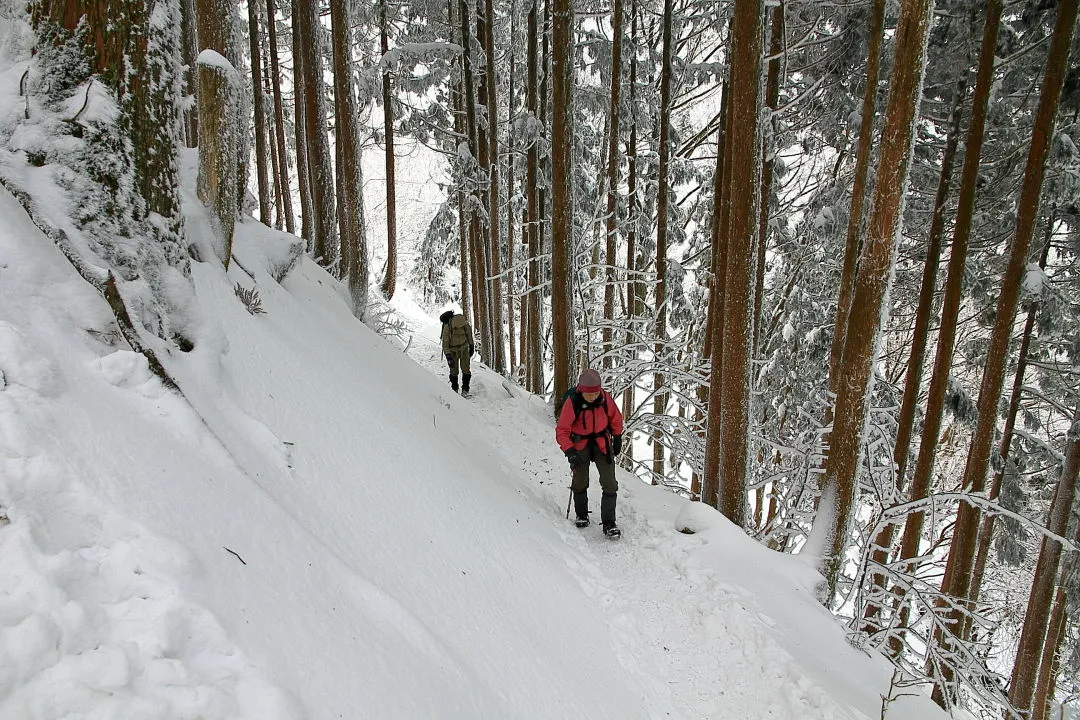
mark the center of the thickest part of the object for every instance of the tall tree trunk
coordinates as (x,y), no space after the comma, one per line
(534,372)
(275,159)
(498,332)
(562,191)
(279,119)
(1050,662)
(351,207)
(920,337)
(219,98)
(188,53)
(660,394)
(390,279)
(476,244)
(950,310)
(259,107)
(613,161)
(303,167)
(772,100)
(714,339)
(855,380)
(320,172)
(1037,618)
(728,443)
(965,532)
(511,239)
(986,529)
(859,192)
(632,210)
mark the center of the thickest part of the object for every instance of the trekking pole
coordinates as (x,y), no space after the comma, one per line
(568,500)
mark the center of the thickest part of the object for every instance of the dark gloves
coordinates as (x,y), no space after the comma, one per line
(472,349)
(573,457)
(616,444)
(450,360)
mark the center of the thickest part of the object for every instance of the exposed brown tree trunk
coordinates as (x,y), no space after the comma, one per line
(855,377)
(219,94)
(613,162)
(476,244)
(390,279)
(303,174)
(188,53)
(728,444)
(498,333)
(275,159)
(351,206)
(1037,618)
(533,361)
(1050,663)
(511,239)
(632,284)
(320,172)
(660,394)
(965,532)
(259,107)
(772,99)
(279,118)
(562,191)
(950,310)
(986,530)
(859,191)
(920,337)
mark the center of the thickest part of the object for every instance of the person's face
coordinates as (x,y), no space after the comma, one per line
(590,397)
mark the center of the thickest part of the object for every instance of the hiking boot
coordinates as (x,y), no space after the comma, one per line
(465,382)
(453,383)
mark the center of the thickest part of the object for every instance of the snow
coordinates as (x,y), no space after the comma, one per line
(320,528)
(214,59)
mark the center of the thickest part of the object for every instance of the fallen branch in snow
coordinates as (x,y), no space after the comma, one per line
(102,279)
(237,555)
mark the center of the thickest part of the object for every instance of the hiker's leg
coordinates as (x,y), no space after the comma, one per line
(580,481)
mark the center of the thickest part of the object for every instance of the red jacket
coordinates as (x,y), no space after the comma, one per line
(601,415)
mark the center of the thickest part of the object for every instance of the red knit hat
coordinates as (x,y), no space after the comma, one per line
(589,382)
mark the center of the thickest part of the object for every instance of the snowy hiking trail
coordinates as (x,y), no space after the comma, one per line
(231,556)
(700,640)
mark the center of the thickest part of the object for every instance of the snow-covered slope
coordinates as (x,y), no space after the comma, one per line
(318,528)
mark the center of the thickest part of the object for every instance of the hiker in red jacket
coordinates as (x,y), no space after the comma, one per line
(589,430)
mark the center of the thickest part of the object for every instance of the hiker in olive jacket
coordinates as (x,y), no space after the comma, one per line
(457,347)
(589,431)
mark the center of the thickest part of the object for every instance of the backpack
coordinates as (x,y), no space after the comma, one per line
(459,334)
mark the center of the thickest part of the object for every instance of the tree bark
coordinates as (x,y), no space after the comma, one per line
(259,108)
(731,381)
(279,118)
(320,171)
(965,532)
(613,162)
(950,310)
(855,378)
(534,371)
(859,192)
(351,207)
(632,209)
(562,195)
(660,394)
(498,332)
(303,168)
(920,337)
(390,279)
(1037,618)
